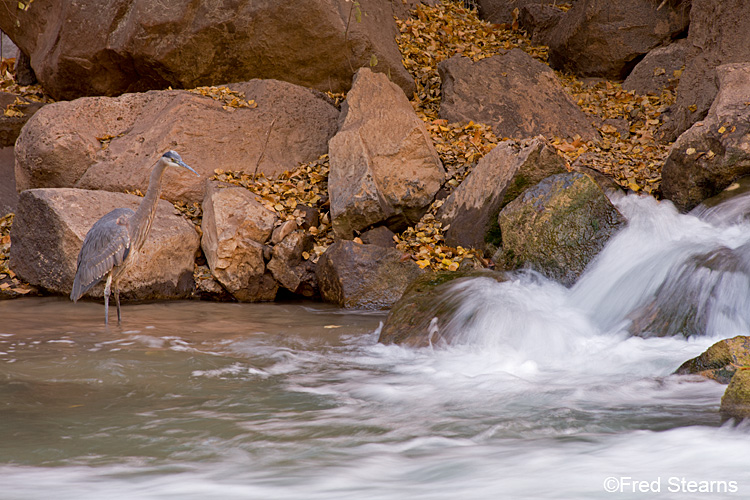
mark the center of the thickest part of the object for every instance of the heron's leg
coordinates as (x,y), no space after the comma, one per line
(107,288)
(117,301)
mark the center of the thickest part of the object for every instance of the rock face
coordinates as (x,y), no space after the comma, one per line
(660,69)
(557,227)
(516,94)
(360,276)
(720,361)
(384,168)
(50,226)
(715,152)
(718,35)
(420,317)
(89,48)
(603,38)
(235,228)
(501,175)
(112,143)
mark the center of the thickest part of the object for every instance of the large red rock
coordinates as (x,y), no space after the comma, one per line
(50,226)
(360,276)
(660,69)
(516,94)
(605,38)
(384,168)
(235,228)
(714,152)
(89,47)
(111,143)
(719,34)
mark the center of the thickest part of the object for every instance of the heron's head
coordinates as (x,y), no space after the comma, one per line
(174,160)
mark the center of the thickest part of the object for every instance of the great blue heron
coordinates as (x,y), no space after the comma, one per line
(112,243)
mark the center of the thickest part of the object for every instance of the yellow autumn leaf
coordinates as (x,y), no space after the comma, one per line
(423,263)
(690,151)
(722,130)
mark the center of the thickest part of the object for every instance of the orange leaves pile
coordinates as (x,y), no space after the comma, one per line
(425,244)
(231,99)
(629,152)
(459,146)
(10,285)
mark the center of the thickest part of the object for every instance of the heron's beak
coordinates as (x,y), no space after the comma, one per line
(183,164)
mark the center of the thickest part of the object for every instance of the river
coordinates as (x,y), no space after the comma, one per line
(544,394)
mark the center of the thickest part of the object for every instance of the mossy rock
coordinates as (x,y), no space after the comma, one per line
(720,361)
(557,227)
(426,306)
(736,400)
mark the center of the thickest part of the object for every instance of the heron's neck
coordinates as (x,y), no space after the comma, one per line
(141,222)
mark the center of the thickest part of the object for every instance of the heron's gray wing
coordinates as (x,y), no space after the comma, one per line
(106,245)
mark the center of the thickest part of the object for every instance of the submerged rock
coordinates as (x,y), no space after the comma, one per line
(720,361)
(50,226)
(419,318)
(557,227)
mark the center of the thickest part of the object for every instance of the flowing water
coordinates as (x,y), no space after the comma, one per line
(542,393)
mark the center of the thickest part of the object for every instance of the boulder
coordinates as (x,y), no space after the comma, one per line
(660,69)
(607,39)
(420,317)
(235,227)
(381,236)
(516,94)
(290,268)
(112,143)
(50,226)
(88,48)
(539,20)
(355,275)
(719,34)
(19,111)
(735,403)
(384,168)
(716,151)
(557,227)
(720,361)
(470,212)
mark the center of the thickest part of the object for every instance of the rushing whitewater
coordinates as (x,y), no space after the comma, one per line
(543,392)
